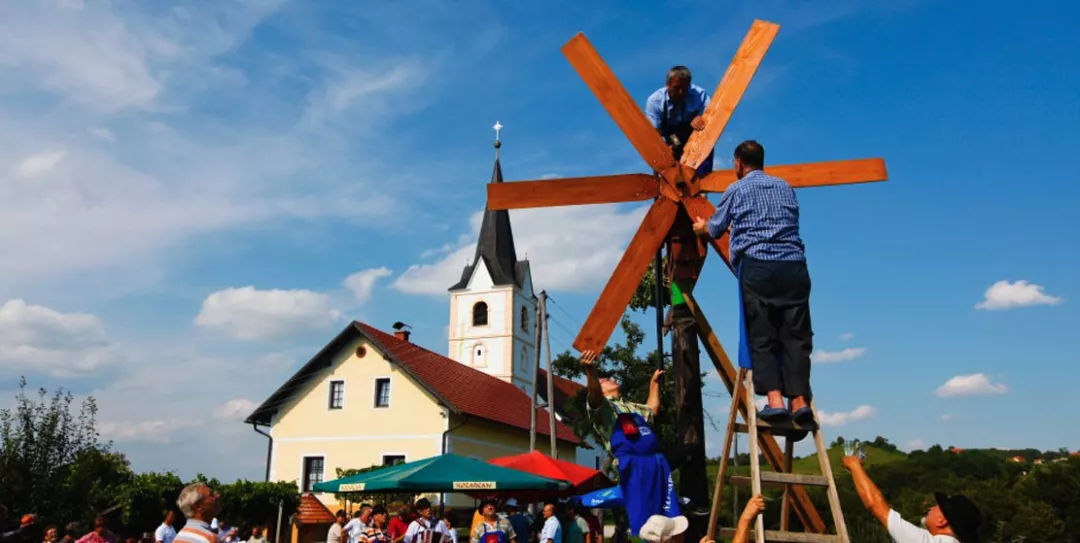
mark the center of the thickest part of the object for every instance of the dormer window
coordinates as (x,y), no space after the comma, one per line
(480,314)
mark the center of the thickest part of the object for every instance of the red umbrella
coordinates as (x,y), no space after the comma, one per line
(581,478)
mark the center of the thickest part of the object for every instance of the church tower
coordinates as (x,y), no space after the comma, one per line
(493,307)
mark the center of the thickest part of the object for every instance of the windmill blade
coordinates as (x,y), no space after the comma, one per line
(730,91)
(620,288)
(812,174)
(618,103)
(701,207)
(604,189)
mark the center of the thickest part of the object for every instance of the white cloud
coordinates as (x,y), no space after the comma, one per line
(153,431)
(39,163)
(1004,295)
(915,444)
(847,336)
(862,412)
(103,133)
(363,282)
(845,355)
(947,417)
(235,410)
(571,248)
(976,384)
(250,314)
(37,338)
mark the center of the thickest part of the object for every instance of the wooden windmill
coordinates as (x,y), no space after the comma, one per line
(679,197)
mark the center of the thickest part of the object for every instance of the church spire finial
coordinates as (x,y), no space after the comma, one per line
(498,127)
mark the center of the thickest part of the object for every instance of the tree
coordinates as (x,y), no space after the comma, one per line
(52,461)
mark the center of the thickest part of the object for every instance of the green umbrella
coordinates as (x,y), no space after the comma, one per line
(443,473)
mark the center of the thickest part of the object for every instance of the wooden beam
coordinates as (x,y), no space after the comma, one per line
(618,103)
(730,90)
(624,281)
(810,174)
(774,455)
(602,189)
(699,206)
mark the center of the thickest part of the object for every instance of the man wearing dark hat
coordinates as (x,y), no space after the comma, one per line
(955,519)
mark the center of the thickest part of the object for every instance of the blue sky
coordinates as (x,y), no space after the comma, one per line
(196,197)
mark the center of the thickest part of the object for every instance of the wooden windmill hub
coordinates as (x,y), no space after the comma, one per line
(679,198)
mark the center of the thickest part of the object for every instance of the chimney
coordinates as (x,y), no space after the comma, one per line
(401,331)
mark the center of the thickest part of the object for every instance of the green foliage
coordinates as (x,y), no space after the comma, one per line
(51,459)
(252,503)
(643,297)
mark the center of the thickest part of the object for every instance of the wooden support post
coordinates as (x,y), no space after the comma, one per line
(804,508)
(729,434)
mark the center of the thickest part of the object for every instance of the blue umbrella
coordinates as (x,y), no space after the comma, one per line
(605,498)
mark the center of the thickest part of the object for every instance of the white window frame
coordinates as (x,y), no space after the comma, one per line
(330,395)
(473,357)
(389,394)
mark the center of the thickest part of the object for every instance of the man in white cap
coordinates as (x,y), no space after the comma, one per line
(661,529)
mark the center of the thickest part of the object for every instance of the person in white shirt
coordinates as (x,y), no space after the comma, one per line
(360,521)
(552,530)
(955,519)
(166,533)
(426,529)
(333,535)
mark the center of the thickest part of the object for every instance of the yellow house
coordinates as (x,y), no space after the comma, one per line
(374,398)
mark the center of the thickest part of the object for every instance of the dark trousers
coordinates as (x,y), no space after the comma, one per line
(776,304)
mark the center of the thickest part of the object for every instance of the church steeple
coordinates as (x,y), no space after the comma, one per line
(495,248)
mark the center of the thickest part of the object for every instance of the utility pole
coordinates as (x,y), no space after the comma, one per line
(550,376)
(535,376)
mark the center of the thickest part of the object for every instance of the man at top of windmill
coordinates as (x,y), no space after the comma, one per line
(774,285)
(625,429)
(676,110)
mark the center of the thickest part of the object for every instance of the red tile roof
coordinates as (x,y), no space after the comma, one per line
(465,389)
(312,511)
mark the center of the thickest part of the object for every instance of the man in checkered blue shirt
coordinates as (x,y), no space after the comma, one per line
(766,250)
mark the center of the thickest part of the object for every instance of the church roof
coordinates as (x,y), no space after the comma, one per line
(456,386)
(495,247)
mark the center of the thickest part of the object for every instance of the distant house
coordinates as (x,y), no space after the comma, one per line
(370,397)
(956,450)
(1018,459)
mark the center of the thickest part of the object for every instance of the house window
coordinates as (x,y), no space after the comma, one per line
(382,392)
(393,459)
(524,319)
(480,314)
(597,460)
(479,356)
(313,472)
(337,394)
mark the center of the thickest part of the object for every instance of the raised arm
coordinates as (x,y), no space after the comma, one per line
(654,392)
(596,394)
(869,493)
(753,508)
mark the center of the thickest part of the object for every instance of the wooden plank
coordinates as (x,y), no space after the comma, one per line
(730,90)
(804,508)
(810,174)
(603,189)
(755,457)
(785,503)
(787,537)
(620,288)
(618,103)
(776,479)
(699,206)
(725,452)
(826,470)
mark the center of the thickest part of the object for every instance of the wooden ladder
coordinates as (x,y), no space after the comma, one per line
(792,432)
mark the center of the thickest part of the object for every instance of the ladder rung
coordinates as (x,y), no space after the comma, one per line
(780,428)
(787,537)
(775,479)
